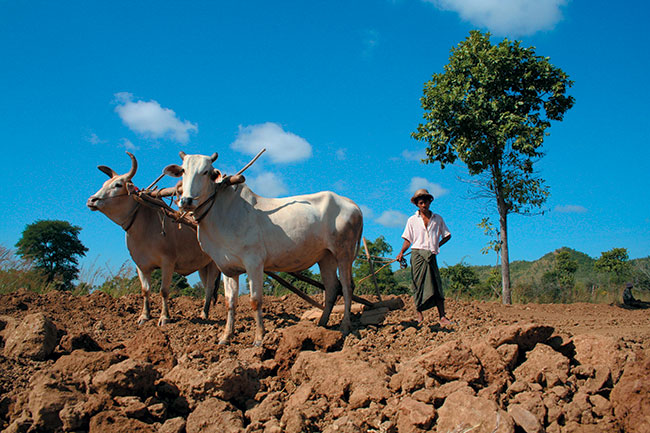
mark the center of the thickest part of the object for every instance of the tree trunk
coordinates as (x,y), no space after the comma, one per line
(505,260)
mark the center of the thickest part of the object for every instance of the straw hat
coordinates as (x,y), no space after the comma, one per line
(421,193)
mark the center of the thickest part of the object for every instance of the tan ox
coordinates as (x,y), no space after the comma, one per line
(246,233)
(154,241)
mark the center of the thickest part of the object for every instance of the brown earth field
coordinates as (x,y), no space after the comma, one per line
(83,364)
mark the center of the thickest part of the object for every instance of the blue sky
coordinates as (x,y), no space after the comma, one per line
(332,90)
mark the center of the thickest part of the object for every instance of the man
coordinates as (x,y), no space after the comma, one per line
(630,301)
(425,233)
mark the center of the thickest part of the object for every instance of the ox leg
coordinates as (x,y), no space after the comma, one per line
(345,275)
(145,283)
(167,272)
(328,273)
(210,277)
(256,279)
(231,290)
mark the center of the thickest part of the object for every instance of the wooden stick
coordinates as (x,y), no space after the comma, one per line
(155,182)
(377,271)
(289,286)
(320,285)
(372,268)
(251,163)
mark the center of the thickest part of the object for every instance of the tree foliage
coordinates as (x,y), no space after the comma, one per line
(615,264)
(53,247)
(491,108)
(385,277)
(461,277)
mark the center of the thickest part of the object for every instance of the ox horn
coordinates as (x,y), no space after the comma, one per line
(214,156)
(182,154)
(107,171)
(134,166)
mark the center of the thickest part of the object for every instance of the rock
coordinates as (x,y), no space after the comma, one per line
(525,336)
(229,379)
(524,419)
(462,412)
(305,336)
(80,363)
(151,345)
(79,341)
(173,425)
(215,416)
(342,425)
(271,407)
(441,393)
(495,368)
(630,395)
(414,416)
(35,337)
(129,377)
(114,422)
(600,380)
(451,361)
(596,350)
(355,378)
(533,402)
(375,316)
(509,354)
(545,366)
(47,396)
(601,406)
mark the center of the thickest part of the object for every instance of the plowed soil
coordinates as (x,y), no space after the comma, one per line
(112,325)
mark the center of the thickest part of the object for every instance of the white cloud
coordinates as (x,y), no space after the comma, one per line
(94,139)
(267,184)
(341,154)
(434,188)
(392,218)
(151,120)
(570,208)
(507,17)
(128,145)
(414,155)
(281,146)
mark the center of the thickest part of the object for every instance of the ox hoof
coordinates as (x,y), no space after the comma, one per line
(345,328)
(204,316)
(257,343)
(223,342)
(142,320)
(163,321)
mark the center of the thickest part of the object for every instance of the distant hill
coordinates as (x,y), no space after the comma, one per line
(526,272)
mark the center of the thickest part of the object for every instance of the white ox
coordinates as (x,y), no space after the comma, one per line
(246,233)
(154,241)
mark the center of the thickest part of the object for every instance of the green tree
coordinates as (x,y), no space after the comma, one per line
(491,108)
(461,277)
(385,278)
(53,247)
(558,282)
(615,264)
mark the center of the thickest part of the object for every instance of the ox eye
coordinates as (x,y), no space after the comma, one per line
(205,173)
(118,185)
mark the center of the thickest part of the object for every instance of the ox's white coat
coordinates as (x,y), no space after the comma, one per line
(246,233)
(177,250)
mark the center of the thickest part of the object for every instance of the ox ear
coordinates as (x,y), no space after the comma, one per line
(173,170)
(214,156)
(215,175)
(131,188)
(182,154)
(107,170)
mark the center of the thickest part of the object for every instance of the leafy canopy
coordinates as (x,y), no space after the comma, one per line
(490,109)
(53,247)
